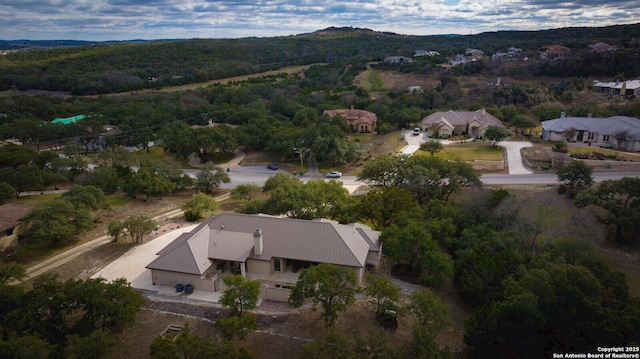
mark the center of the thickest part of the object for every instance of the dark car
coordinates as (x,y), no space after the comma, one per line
(272,166)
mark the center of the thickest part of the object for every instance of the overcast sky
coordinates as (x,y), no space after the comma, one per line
(98,20)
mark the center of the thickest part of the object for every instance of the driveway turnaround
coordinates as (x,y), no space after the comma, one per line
(514,158)
(131,266)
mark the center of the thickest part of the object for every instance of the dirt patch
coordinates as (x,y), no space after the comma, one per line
(396,80)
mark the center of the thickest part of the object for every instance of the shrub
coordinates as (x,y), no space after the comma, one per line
(560,146)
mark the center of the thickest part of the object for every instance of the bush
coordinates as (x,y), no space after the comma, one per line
(560,146)
(192,216)
(562,189)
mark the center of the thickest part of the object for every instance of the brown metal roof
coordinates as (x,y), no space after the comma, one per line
(229,236)
(11,214)
(14,211)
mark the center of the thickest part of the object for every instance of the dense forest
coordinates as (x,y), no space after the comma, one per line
(128,66)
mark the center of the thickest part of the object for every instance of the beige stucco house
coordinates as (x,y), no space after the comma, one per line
(450,123)
(360,121)
(269,249)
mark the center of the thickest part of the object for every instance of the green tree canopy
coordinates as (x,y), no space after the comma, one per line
(199,206)
(496,134)
(383,292)
(577,174)
(88,196)
(241,294)
(329,285)
(523,123)
(620,199)
(55,223)
(316,198)
(432,147)
(425,177)
(210,177)
(245,191)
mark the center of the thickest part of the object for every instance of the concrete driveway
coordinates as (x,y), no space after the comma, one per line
(131,266)
(514,158)
(413,142)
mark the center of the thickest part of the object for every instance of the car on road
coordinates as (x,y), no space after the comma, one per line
(272,166)
(334,174)
(416,131)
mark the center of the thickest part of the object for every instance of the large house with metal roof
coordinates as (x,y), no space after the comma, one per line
(617,131)
(272,250)
(450,123)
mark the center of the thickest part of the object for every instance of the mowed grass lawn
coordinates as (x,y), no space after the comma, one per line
(468,152)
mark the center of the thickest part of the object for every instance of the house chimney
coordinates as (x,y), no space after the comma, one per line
(257,242)
(484,111)
(352,107)
(590,115)
(562,114)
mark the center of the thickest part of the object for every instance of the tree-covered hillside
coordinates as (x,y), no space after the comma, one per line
(129,66)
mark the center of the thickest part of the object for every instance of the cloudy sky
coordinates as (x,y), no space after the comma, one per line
(98,20)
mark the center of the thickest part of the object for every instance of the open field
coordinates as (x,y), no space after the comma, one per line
(288,70)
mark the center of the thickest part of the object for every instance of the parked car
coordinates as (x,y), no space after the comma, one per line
(334,174)
(416,131)
(272,166)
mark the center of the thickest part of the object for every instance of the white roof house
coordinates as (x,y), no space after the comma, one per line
(621,88)
(617,131)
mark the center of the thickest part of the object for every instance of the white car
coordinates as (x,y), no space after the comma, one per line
(416,131)
(334,174)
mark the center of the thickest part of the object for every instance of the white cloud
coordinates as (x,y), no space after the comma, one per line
(152,19)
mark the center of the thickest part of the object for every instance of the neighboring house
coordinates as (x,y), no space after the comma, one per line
(270,249)
(555,52)
(501,56)
(617,131)
(618,88)
(602,47)
(458,59)
(100,142)
(513,53)
(474,52)
(10,217)
(419,53)
(360,121)
(447,124)
(398,60)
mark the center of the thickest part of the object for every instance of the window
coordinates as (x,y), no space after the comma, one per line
(277,265)
(591,136)
(605,138)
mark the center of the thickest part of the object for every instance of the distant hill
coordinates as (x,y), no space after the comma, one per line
(48,44)
(83,68)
